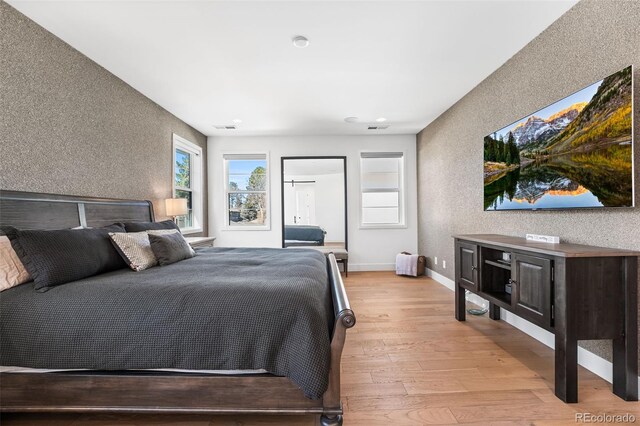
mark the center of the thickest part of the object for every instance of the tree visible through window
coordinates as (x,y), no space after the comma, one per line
(247,190)
(187,171)
(183,186)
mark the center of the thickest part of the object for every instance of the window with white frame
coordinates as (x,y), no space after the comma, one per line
(247,191)
(382,189)
(187,183)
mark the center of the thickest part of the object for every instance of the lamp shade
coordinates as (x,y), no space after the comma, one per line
(176,206)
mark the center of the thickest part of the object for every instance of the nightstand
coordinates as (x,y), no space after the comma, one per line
(200,241)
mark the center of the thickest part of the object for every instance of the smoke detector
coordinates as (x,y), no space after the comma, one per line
(351,119)
(300,41)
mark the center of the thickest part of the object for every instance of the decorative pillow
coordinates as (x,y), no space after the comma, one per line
(146,226)
(12,271)
(170,248)
(135,249)
(61,256)
(171,231)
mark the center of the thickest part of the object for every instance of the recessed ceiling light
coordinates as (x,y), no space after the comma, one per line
(237,121)
(300,41)
(381,120)
(351,119)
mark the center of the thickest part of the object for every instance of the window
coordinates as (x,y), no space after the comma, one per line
(246,189)
(381,186)
(187,182)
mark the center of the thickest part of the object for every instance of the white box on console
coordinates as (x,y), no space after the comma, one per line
(551,239)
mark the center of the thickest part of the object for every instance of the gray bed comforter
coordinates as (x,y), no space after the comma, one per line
(309,233)
(225,309)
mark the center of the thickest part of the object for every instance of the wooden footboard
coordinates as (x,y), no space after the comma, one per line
(140,392)
(344,319)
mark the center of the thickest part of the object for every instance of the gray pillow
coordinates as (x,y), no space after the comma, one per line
(170,248)
(60,256)
(147,226)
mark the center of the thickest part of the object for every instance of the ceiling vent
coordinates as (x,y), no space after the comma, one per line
(380,127)
(232,127)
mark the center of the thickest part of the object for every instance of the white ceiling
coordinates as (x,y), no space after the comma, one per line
(210,62)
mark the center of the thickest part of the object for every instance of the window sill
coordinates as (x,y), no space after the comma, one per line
(190,230)
(247,228)
(399,226)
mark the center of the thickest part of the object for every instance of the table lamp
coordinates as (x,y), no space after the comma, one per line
(176,207)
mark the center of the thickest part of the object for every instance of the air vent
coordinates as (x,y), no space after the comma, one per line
(225,127)
(381,127)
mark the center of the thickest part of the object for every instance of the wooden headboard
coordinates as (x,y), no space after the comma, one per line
(32,210)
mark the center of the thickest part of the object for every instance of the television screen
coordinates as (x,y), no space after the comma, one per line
(575,153)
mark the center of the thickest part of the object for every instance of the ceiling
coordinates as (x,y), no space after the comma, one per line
(210,62)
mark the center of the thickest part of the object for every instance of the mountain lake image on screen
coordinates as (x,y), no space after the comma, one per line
(575,153)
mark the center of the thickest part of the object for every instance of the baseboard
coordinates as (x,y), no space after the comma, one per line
(441,279)
(587,359)
(372,266)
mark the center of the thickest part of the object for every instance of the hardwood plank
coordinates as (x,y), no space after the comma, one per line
(349,378)
(488,399)
(423,376)
(425,416)
(373,389)
(511,412)
(502,384)
(436,386)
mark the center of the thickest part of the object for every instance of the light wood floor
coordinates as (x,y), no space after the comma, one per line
(408,362)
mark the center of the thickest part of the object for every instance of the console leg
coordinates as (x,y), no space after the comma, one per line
(566,367)
(625,348)
(460,303)
(494,311)
(331,420)
(625,369)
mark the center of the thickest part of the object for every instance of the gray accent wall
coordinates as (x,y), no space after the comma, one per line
(69,126)
(589,42)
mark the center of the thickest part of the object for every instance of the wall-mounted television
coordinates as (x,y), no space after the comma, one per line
(575,153)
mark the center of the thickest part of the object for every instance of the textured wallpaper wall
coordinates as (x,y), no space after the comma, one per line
(69,126)
(592,40)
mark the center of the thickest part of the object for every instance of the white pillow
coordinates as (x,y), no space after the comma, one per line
(135,249)
(12,271)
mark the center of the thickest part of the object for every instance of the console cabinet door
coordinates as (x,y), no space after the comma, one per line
(531,279)
(467,265)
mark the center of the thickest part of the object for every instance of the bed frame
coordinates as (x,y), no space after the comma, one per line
(156,392)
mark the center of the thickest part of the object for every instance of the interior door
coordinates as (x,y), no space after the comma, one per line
(305,204)
(531,286)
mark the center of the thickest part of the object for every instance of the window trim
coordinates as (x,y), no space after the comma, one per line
(254,155)
(402,186)
(197,180)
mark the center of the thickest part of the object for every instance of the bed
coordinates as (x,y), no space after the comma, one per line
(303,235)
(200,303)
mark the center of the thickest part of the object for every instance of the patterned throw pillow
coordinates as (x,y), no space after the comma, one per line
(12,271)
(135,249)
